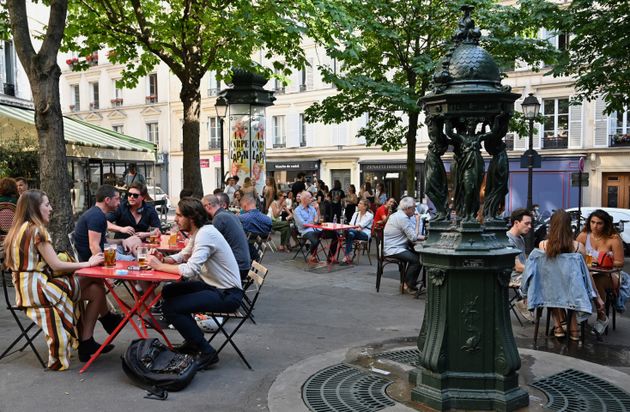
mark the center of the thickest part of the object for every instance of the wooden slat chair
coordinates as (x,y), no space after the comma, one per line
(257,275)
(362,247)
(383,261)
(25,332)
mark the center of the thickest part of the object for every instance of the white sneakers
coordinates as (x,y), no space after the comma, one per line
(600,325)
(522,308)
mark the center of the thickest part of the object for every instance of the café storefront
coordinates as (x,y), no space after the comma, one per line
(393,174)
(286,171)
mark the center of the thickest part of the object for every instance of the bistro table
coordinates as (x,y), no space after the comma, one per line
(140,307)
(337,228)
(164,247)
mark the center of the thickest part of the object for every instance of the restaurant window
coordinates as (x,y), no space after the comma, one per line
(118,128)
(556,124)
(213,133)
(279,137)
(620,127)
(153,134)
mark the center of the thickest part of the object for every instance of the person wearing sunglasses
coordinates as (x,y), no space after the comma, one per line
(134,216)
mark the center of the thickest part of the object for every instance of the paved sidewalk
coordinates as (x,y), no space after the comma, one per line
(301,314)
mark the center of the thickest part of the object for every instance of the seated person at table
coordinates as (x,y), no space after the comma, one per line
(403,228)
(280,216)
(382,214)
(363,218)
(599,236)
(90,232)
(521,224)
(228,224)
(254,222)
(8,190)
(213,280)
(556,277)
(235,203)
(134,216)
(50,299)
(308,213)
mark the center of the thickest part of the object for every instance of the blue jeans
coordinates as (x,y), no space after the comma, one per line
(183,299)
(351,236)
(413,266)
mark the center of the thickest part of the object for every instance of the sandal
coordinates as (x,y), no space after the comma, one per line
(558,332)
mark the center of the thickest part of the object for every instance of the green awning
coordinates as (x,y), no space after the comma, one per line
(82,139)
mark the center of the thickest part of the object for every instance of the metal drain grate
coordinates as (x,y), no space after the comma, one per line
(343,388)
(407,356)
(577,391)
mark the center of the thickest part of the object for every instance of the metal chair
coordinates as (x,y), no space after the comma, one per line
(383,261)
(362,247)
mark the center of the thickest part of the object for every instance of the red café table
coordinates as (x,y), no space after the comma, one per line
(164,246)
(140,308)
(338,228)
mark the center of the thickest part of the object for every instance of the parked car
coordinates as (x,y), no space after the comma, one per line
(158,194)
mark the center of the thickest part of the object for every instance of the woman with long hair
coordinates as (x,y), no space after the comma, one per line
(45,287)
(560,240)
(600,237)
(351,202)
(270,192)
(281,215)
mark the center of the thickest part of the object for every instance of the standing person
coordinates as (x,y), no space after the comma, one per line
(521,220)
(232,230)
(366,192)
(362,218)
(213,280)
(8,190)
(133,216)
(403,229)
(22,185)
(230,189)
(600,237)
(249,188)
(351,202)
(270,192)
(298,186)
(560,243)
(50,299)
(336,197)
(380,197)
(383,213)
(133,176)
(290,200)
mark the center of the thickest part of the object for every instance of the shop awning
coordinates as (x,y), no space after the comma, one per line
(83,140)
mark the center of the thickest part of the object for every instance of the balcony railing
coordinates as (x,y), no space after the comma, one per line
(617,140)
(280,90)
(509,142)
(92,59)
(94,106)
(279,144)
(151,99)
(117,102)
(74,108)
(214,144)
(555,142)
(302,87)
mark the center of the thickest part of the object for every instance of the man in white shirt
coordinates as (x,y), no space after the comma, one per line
(230,188)
(402,229)
(213,280)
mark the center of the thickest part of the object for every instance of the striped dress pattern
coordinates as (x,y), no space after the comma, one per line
(49,301)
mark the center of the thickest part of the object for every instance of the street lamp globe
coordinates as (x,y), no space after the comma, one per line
(221,106)
(531,106)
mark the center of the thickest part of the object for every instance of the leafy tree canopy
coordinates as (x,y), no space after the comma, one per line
(388,52)
(598,52)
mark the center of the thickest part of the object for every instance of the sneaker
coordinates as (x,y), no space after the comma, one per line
(601,325)
(205,360)
(525,313)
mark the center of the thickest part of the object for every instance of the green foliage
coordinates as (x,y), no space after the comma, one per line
(388,52)
(598,51)
(19,157)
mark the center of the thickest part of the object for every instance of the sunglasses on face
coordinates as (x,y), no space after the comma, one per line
(134,195)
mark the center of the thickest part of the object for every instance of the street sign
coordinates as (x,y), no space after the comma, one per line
(575,179)
(537,160)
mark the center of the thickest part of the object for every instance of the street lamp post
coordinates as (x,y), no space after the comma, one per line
(531,106)
(221,107)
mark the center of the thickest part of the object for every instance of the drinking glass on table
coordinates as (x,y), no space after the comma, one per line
(172,238)
(109,252)
(154,235)
(141,253)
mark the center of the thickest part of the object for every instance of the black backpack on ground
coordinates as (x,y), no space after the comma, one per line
(153,366)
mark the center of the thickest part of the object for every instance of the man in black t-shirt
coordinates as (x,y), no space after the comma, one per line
(298,186)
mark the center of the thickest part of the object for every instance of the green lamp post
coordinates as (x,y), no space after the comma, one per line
(468,356)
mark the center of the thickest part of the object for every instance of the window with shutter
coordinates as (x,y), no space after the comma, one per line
(555,128)
(619,128)
(575,126)
(309,75)
(600,138)
(292,134)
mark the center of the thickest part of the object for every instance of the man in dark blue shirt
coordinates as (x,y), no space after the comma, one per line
(253,220)
(133,216)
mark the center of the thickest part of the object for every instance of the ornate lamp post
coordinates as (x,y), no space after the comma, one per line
(247,100)
(468,357)
(531,106)
(221,107)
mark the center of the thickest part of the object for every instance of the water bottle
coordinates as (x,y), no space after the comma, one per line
(335,220)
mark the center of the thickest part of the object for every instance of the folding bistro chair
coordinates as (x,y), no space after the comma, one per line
(362,247)
(25,332)
(257,275)
(383,261)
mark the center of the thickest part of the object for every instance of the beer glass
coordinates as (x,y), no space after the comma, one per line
(141,253)
(172,238)
(109,252)
(154,235)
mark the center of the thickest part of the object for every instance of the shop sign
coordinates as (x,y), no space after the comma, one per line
(204,163)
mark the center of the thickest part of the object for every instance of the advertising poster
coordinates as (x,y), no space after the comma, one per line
(239,147)
(258,159)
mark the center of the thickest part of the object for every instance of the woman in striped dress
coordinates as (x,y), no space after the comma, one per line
(48,298)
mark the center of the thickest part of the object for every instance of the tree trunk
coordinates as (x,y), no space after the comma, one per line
(191,98)
(43,75)
(411,153)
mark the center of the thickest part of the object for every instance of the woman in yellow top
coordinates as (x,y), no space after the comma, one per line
(44,289)
(599,236)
